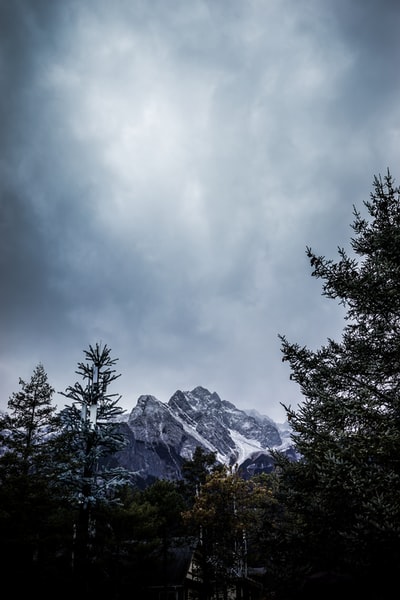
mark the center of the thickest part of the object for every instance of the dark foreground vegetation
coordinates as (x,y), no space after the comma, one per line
(325,526)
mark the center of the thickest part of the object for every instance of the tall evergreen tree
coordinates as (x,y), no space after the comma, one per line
(27,492)
(26,427)
(345,490)
(90,437)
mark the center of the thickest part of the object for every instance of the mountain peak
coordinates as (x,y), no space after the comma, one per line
(146,401)
(171,432)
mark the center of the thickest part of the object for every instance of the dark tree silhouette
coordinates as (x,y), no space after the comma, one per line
(345,490)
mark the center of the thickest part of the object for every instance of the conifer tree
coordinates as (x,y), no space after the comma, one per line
(27,490)
(344,492)
(90,437)
(25,429)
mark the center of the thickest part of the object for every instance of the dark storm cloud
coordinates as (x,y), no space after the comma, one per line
(163,167)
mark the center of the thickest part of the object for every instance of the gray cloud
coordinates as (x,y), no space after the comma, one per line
(164,166)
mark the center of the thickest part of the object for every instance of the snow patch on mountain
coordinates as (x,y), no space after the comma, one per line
(244,447)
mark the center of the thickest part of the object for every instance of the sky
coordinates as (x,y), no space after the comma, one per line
(163,166)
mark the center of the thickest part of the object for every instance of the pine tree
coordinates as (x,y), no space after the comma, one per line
(25,429)
(90,437)
(27,492)
(345,490)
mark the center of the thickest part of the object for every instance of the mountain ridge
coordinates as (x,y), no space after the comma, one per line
(162,436)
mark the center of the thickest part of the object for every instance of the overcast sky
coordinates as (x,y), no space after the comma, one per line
(163,166)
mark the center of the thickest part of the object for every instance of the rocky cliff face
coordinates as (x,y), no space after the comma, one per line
(162,436)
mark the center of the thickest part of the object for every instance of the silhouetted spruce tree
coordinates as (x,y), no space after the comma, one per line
(344,494)
(90,436)
(27,484)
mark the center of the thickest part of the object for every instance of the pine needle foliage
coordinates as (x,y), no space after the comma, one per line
(345,490)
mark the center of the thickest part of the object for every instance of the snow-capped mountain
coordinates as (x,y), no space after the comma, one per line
(162,435)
